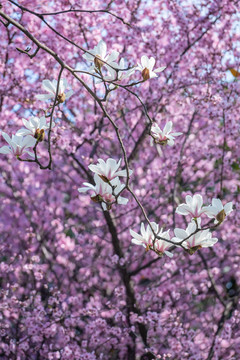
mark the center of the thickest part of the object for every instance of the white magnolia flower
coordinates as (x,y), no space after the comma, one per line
(17,145)
(118,76)
(218,211)
(146,67)
(51,88)
(108,170)
(146,238)
(165,136)
(99,53)
(192,207)
(161,246)
(202,238)
(34,127)
(103,192)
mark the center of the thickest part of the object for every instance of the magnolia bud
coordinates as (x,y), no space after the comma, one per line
(221,216)
(98,62)
(61,97)
(145,74)
(39,135)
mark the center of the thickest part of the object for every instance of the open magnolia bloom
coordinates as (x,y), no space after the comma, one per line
(161,246)
(146,67)
(51,88)
(192,207)
(218,211)
(146,239)
(99,53)
(165,136)
(202,238)
(108,170)
(34,127)
(18,145)
(104,193)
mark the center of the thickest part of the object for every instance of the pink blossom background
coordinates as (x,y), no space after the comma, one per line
(73,286)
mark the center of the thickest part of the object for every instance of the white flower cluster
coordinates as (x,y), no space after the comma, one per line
(35,128)
(26,137)
(165,136)
(107,187)
(51,88)
(193,238)
(115,72)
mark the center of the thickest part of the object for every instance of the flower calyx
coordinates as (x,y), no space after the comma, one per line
(96,198)
(192,250)
(39,135)
(221,216)
(61,98)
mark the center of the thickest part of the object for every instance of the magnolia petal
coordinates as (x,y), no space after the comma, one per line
(136,235)
(104,206)
(102,48)
(27,124)
(24,132)
(44,96)
(171,142)
(228,208)
(180,234)
(88,57)
(5,150)
(160,69)
(68,94)
(112,57)
(32,154)
(209,242)
(83,189)
(217,203)
(48,86)
(151,63)
(144,61)
(138,242)
(168,253)
(28,141)
(152,74)
(183,209)
(7,138)
(176,134)
(122,201)
(197,202)
(168,127)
